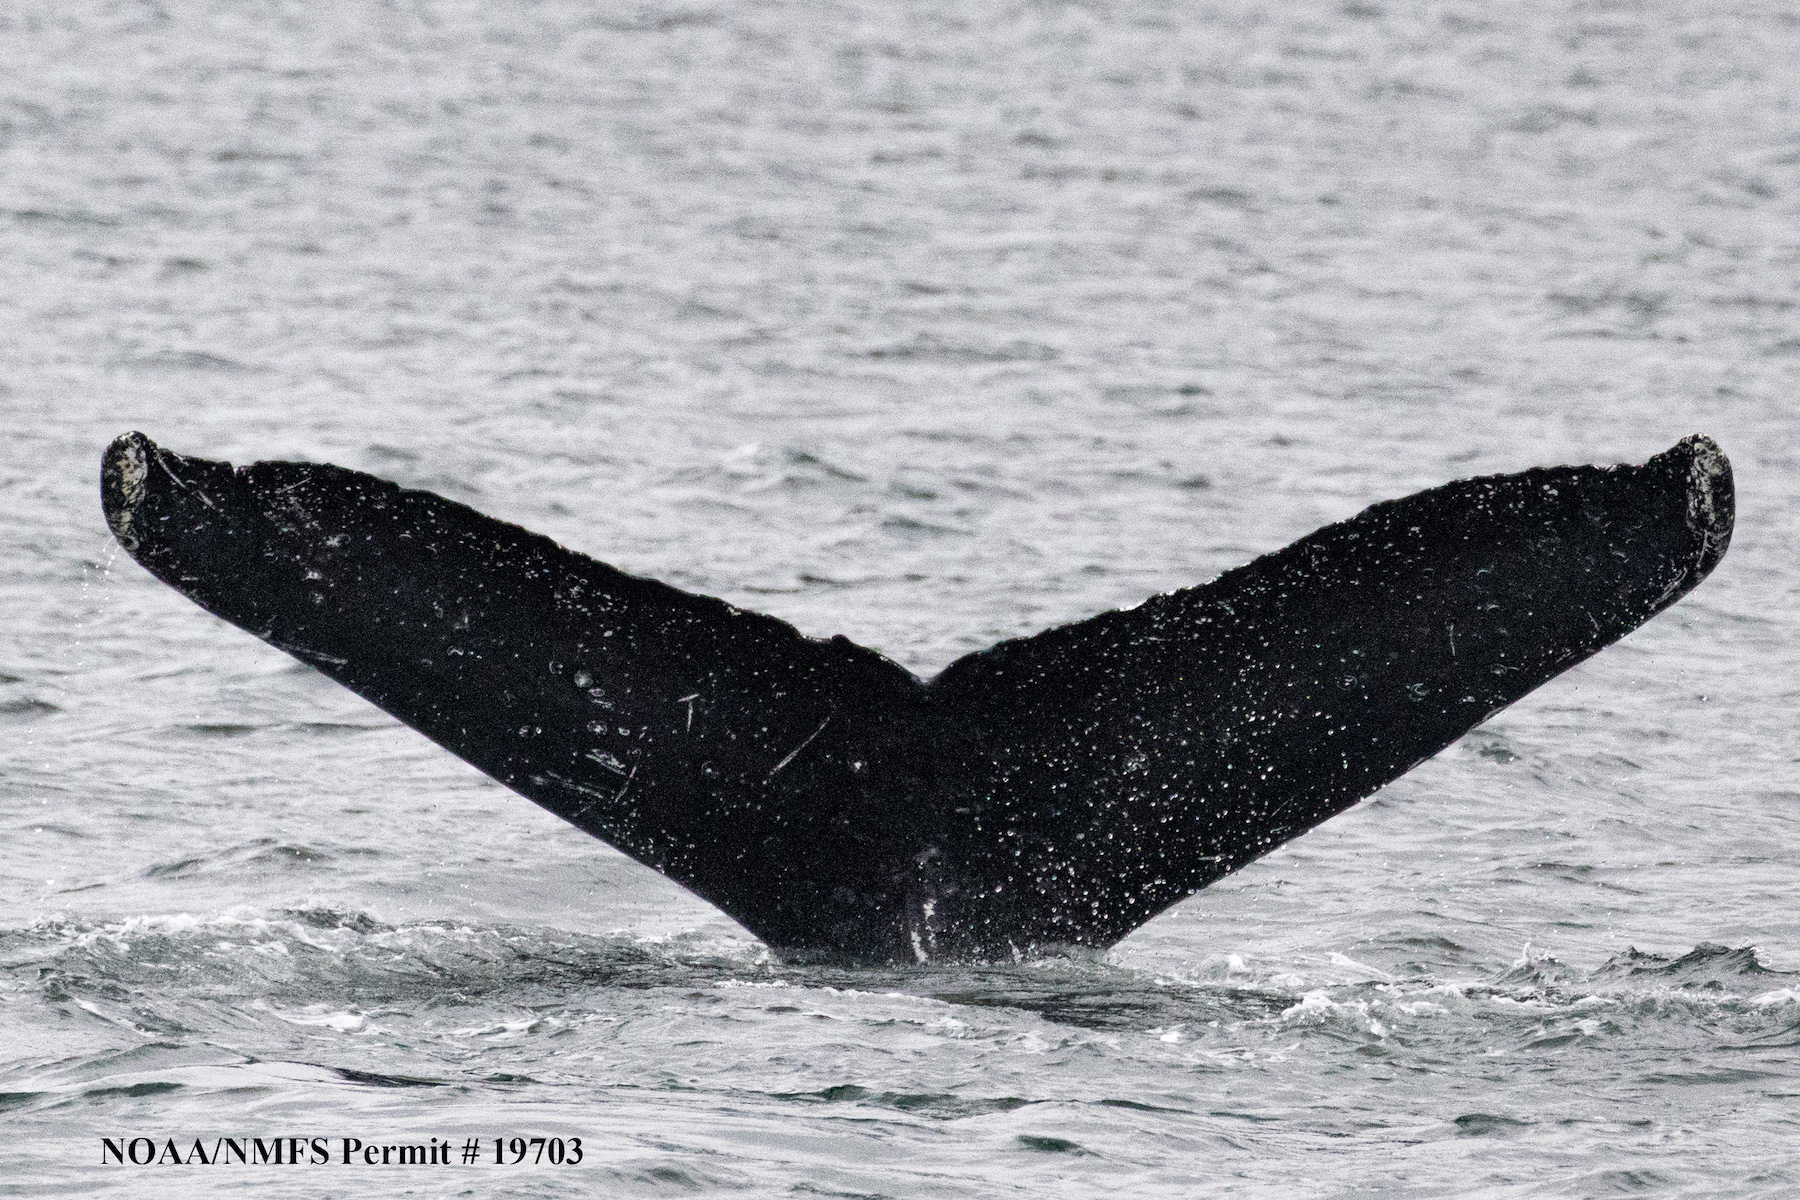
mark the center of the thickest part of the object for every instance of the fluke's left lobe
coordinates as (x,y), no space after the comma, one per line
(721,747)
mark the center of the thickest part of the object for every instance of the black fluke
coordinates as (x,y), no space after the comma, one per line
(1053,790)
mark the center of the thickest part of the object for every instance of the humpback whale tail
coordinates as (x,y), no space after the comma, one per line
(1056,789)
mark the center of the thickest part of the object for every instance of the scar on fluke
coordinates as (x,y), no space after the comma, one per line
(1053,790)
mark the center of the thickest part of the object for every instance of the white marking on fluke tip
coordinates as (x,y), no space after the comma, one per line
(1704,473)
(130,470)
(1707,472)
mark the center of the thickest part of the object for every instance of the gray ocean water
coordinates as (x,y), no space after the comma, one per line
(928,324)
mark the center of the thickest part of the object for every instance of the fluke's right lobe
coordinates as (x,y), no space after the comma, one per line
(1110,768)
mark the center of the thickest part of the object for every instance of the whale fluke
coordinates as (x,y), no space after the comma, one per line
(1060,789)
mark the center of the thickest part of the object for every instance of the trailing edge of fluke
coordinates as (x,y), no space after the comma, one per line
(1053,790)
